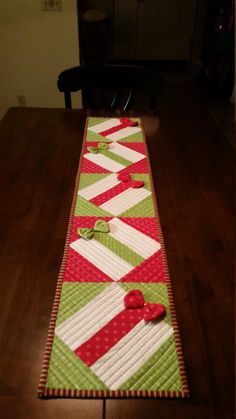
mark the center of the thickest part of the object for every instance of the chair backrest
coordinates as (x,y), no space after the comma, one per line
(110,86)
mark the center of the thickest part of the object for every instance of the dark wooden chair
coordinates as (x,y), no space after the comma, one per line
(110,86)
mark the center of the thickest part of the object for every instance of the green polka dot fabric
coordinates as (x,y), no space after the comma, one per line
(113,330)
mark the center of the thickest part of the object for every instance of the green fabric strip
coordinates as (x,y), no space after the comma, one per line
(134,138)
(119,249)
(93,136)
(144,208)
(94,120)
(87,179)
(86,208)
(160,371)
(115,157)
(67,371)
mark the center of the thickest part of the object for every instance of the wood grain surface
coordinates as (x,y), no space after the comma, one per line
(192,164)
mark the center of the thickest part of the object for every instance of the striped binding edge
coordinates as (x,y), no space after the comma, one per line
(44,392)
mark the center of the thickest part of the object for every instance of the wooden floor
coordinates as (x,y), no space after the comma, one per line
(192,164)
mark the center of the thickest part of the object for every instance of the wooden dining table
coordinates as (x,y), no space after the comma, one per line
(192,166)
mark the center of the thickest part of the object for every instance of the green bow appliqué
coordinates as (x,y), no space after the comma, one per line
(100,226)
(101,146)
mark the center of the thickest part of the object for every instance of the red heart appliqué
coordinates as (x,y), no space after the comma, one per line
(128,122)
(125,177)
(124,120)
(133,123)
(134,299)
(137,184)
(153,311)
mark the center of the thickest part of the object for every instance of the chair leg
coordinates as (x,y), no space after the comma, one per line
(90,101)
(67,97)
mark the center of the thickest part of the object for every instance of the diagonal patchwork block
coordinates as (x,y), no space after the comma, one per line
(113,342)
(117,253)
(80,269)
(115,159)
(114,196)
(113,130)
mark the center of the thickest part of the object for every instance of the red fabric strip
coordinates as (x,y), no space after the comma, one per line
(100,343)
(139,147)
(113,129)
(147,225)
(111,193)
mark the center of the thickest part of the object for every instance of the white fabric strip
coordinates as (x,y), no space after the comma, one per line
(105,162)
(125,152)
(134,239)
(131,352)
(102,257)
(99,187)
(92,317)
(125,200)
(125,132)
(103,126)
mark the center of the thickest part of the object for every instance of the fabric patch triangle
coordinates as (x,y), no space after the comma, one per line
(134,138)
(75,296)
(144,208)
(159,369)
(145,225)
(90,167)
(87,179)
(151,270)
(93,136)
(139,167)
(87,272)
(93,120)
(76,375)
(139,147)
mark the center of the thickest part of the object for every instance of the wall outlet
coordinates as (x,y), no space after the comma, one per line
(51,5)
(21,100)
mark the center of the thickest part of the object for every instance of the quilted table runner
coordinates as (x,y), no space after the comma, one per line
(113,330)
